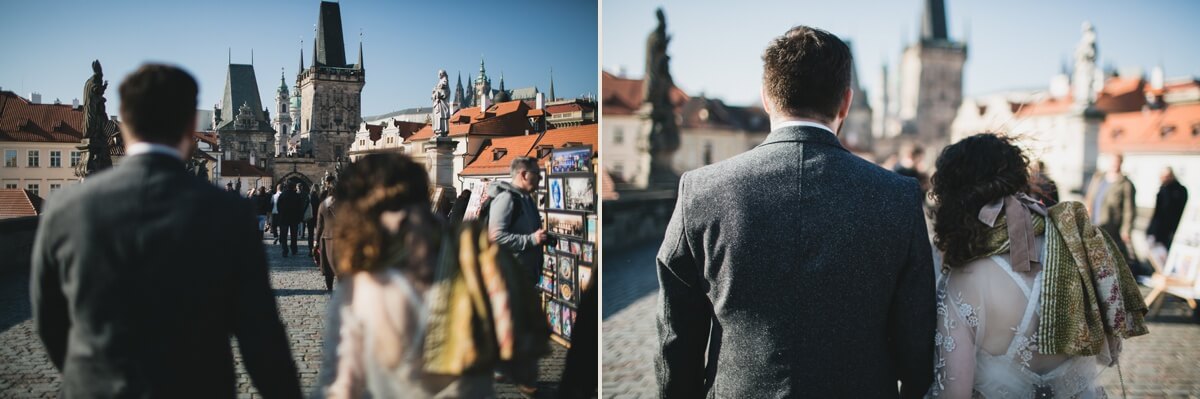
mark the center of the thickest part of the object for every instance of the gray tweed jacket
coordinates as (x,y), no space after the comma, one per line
(796,269)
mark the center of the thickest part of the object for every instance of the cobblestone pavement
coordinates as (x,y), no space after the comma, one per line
(1163,364)
(26,372)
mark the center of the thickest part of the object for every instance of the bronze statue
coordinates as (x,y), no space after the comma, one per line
(656,91)
(95,119)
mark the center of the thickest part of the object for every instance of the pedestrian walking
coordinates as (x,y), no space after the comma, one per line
(395,332)
(129,296)
(797,269)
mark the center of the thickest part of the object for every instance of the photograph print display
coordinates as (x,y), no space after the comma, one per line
(585,277)
(581,194)
(565,225)
(566,279)
(589,253)
(577,159)
(556,193)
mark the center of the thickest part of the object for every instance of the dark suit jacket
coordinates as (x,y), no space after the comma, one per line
(141,275)
(1168,209)
(804,270)
(291,207)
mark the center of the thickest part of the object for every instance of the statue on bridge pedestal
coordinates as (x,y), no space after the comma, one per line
(95,119)
(441,106)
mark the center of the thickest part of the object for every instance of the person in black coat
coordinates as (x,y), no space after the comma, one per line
(291,212)
(1168,209)
(142,273)
(797,269)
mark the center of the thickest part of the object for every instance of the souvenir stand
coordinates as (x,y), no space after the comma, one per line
(569,213)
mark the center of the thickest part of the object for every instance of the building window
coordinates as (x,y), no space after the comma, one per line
(708,153)
(1167,130)
(618,136)
(262,147)
(10,159)
(1196,130)
(1116,133)
(33,188)
(75,155)
(55,159)
(618,168)
(34,158)
(54,187)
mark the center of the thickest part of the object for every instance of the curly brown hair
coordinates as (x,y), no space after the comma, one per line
(369,188)
(970,174)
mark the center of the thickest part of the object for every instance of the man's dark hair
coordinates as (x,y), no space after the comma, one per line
(158,103)
(806,73)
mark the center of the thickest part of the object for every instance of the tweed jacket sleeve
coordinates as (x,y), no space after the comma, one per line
(48,301)
(913,317)
(684,313)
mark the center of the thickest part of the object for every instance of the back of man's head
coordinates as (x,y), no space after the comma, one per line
(806,73)
(158,104)
(523,164)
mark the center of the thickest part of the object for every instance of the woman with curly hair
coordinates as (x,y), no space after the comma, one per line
(406,318)
(1032,301)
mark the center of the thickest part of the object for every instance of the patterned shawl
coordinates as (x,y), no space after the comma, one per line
(481,310)
(1090,296)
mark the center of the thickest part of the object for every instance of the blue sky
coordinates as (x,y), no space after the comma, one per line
(1017,44)
(49,45)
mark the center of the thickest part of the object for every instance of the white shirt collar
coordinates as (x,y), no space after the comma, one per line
(781,125)
(147,148)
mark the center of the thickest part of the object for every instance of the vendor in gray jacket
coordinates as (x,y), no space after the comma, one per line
(513,220)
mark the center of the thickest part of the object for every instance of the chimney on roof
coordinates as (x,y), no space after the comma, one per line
(1157,78)
(484,103)
(541,101)
(35,98)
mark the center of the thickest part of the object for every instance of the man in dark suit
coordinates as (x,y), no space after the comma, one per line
(129,296)
(1168,209)
(291,212)
(797,269)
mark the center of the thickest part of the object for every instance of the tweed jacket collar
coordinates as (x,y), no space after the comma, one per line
(805,134)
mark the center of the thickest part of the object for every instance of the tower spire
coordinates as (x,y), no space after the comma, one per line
(933,21)
(359,66)
(552,84)
(301,57)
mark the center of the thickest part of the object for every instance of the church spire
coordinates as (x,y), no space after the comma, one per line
(301,70)
(501,80)
(552,98)
(458,90)
(933,21)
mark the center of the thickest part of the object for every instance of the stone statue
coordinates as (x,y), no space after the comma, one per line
(1084,78)
(95,119)
(656,91)
(441,107)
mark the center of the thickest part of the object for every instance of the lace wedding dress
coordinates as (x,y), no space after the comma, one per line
(986,343)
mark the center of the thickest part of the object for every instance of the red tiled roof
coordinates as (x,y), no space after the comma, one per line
(623,96)
(21,120)
(15,203)
(489,164)
(1118,95)
(506,118)
(208,137)
(1142,131)
(236,168)
(608,188)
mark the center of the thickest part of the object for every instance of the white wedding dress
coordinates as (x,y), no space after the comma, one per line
(986,338)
